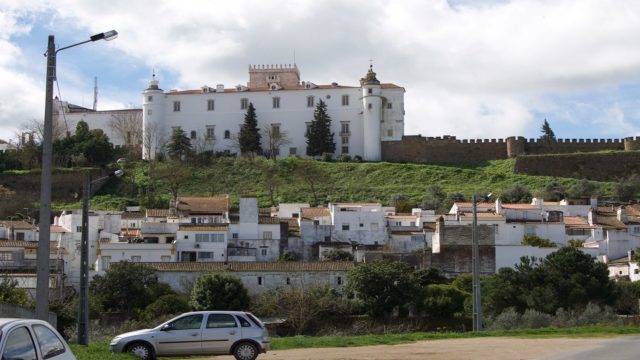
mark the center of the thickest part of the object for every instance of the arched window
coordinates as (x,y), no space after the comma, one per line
(227,134)
(193,134)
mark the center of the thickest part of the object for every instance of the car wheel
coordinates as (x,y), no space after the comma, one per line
(141,350)
(245,351)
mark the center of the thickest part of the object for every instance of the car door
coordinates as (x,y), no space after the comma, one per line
(19,345)
(51,346)
(220,332)
(182,336)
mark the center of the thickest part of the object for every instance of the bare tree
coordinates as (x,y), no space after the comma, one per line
(35,129)
(152,141)
(275,138)
(127,124)
(205,142)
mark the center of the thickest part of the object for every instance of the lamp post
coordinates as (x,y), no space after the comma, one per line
(475,260)
(42,267)
(83,309)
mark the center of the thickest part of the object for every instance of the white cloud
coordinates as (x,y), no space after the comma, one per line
(471,69)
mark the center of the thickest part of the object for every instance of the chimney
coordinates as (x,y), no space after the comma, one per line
(592,217)
(498,206)
(621,214)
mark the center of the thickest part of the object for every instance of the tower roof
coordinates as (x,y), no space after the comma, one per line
(370,78)
(153,83)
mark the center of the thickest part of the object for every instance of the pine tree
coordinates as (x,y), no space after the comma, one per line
(249,137)
(319,135)
(547,133)
(179,145)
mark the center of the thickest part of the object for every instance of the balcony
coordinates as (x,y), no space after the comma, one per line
(29,265)
(241,254)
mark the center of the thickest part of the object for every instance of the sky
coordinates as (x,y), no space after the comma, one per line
(471,68)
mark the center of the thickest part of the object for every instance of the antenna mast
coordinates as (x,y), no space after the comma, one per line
(95,93)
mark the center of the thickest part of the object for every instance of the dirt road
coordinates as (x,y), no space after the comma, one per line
(454,349)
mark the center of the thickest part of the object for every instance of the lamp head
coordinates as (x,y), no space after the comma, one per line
(118,173)
(108,35)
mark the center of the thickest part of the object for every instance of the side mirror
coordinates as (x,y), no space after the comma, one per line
(167,327)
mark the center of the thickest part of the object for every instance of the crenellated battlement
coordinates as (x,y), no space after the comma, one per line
(447,148)
(273,76)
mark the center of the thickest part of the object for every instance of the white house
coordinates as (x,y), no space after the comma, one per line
(359,223)
(362,115)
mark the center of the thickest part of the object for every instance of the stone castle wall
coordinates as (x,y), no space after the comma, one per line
(447,149)
(595,166)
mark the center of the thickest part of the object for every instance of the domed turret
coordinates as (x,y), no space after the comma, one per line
(372,115)
(152,115)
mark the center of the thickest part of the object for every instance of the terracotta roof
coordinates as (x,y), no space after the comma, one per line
(132,215)
(203,205)
(402,232)
(131,233)
(429,226)
(18,225)
(520,206)
(619,261)
(268,220)
(576,222)
(157,212)
(57,229)
(403,216)
(608,218)
(482,205)
(277,266)
(19,243)
(633,213)
(482,215)
(189,227)
(356,204)
(313,213)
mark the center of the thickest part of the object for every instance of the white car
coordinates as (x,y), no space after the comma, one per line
(236,333)
(33,340)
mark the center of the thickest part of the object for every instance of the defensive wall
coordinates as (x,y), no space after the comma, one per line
(448,149)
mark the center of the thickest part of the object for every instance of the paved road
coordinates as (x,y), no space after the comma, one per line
(621,348)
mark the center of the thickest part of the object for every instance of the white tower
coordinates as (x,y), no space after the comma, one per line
(153,127)
(372,115)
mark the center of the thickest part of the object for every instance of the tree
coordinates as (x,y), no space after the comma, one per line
(126,287)
(249,136)
(583,188)
(384,286)
(433,198)
(127,124)
(547,133)
(337,255)
(10,292)
(536,241)
(516,194)
(553,191)
(443,301)
(309,173)
(272,179)
(275,138)
(85,147)
(318,134)
(173,175)
(627,188)
(179,145)
(219,292)
(402,203)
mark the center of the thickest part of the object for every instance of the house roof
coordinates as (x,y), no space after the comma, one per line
(276,266)
(633,213)
(131,233)
(268,220)
(402,216)
(203,205)
(190,227)
(157,212)
(287,88)
(19,243)
(608,218)
(58,229)
(17,225)
(313,213)
(482,215)
(482,205)
(576,222)
(131,215)
(520,207)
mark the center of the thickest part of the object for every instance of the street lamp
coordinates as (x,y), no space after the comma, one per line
(83,310)
(42,267)
(475,270)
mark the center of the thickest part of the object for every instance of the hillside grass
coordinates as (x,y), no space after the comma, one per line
(339,182)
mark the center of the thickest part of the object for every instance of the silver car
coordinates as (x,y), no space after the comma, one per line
(32,339)
(238,333)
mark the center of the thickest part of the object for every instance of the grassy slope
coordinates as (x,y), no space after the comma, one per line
(342,182)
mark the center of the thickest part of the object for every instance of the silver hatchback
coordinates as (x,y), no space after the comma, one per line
(238,333)
(32,339)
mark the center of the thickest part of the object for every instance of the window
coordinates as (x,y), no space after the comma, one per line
(345,100)
(345,140)
(211,134)
(211,105)
(361,225)
(369,106)
(636,229)
(339,280)
(78,228)
(310,101)
(316,222)
(136,258)
(149,112)
(288,281)
(293,151)
(49,342)
(275,130)
(19,236)
(6,256)
(417,238)
(216,321)
(165,258)
(19,345)
(186,323)
(234,235)
(345,227)
(530,230)
(227,134)
(193,134)
(176,106)
(345,149)
(217,238)
(244,103)
(389,105)
(105,262)
(389,132)
(374,226)
(263,251)
(276,102)
(344,129)
(205,255)
(149,98)
(202,238)
(370,91)
(243,322)
(259,280)
(266,235)
(327,238)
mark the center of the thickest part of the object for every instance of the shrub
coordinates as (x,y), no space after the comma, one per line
(357,158)
(532,319)
(576,243)
(219,292)
(534,240)
(327,157)
(345,158)
(508,319)
(170,304)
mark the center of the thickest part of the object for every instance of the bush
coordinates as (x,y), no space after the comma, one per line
(170,304)
(327,157)
(507,320)
(532,319)
(534,240)
(357,158)
(219,292)
(345,158)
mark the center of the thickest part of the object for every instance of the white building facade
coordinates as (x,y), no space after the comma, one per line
(361,116)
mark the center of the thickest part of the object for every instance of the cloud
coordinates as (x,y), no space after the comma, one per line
(470,68)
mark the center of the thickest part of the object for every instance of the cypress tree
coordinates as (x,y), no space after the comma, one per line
(319,135)
(249,137)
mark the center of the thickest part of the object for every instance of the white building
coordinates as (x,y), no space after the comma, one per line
(362,116)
